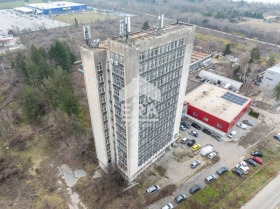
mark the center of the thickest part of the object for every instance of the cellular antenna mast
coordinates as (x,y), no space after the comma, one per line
(160,24)
(125,27)
(87,37)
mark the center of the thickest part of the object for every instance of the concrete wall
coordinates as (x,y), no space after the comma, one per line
(90,58)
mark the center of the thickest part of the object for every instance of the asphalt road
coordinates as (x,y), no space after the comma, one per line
(268,197)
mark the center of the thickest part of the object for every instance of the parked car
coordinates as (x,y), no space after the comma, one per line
(216,137)
(257,153)
(237,172)
(195,164)
(222,170)
(191,142)
(195,125)
(206,131)
(232,134)
(193,133)
(257,159)
(212,155)
(195,189)
(184,140)
(241,125)
(206,150)
(210,179)
(196,147)
(277,137)
(250,161)
(153,189)
(168,206)
(180,198)
(243,167)
(248,122)
(185,125)
(183,128)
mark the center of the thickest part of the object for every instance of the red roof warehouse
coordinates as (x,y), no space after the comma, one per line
(215,108)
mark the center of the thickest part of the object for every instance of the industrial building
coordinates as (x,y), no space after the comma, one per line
(220,80)
(56,7)
(271,78)
(215,108)
(135,88)
(199,59)
(24,10)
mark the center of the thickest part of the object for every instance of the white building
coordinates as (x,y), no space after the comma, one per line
(271,77)
(136,89)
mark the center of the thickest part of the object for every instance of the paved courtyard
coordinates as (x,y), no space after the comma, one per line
(179,172)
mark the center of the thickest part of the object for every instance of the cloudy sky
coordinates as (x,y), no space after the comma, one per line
(264,1)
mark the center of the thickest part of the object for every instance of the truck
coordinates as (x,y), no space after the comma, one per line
(206,150)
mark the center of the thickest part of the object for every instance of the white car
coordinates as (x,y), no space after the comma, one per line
(241,125)
(243,167)
(195,164)
(212,155)
(232,134)
(168,206)
(210,179)
(184,140)
(152,189)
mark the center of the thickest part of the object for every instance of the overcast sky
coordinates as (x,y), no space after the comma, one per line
(264,1)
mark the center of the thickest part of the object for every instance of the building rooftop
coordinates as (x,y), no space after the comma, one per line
(151,33)
(275,69)
(236,85)
(198,55)
(217,101)
(23,9)
(52,5)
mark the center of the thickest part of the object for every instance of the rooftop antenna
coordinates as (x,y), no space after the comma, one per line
(87,37)
(125,27)
(160,24)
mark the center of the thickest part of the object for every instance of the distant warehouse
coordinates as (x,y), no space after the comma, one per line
(57,7)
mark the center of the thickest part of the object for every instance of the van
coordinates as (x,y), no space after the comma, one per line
(206,150)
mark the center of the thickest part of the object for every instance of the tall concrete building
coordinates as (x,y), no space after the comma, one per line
(136,89)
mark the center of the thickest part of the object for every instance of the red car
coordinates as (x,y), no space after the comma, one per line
(257,159)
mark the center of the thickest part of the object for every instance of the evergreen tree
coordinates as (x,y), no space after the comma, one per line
(33,103)
(255,55)
(21,65)
(145,26)
(227,50)
(276,91)
(76,22)
(271,60)
(60,53)
(59,91)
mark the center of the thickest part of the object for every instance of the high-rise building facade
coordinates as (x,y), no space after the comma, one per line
(136,87)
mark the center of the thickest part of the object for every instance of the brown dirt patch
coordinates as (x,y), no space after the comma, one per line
(258,132)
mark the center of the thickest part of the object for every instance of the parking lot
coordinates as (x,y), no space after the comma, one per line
(230,153)
(10,20)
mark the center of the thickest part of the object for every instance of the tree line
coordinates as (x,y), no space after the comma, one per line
(47,81)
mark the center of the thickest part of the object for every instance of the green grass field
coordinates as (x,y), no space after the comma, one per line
(83,18)
(17,3)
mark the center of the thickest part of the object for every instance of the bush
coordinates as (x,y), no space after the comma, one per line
(254,114)
(161,170)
